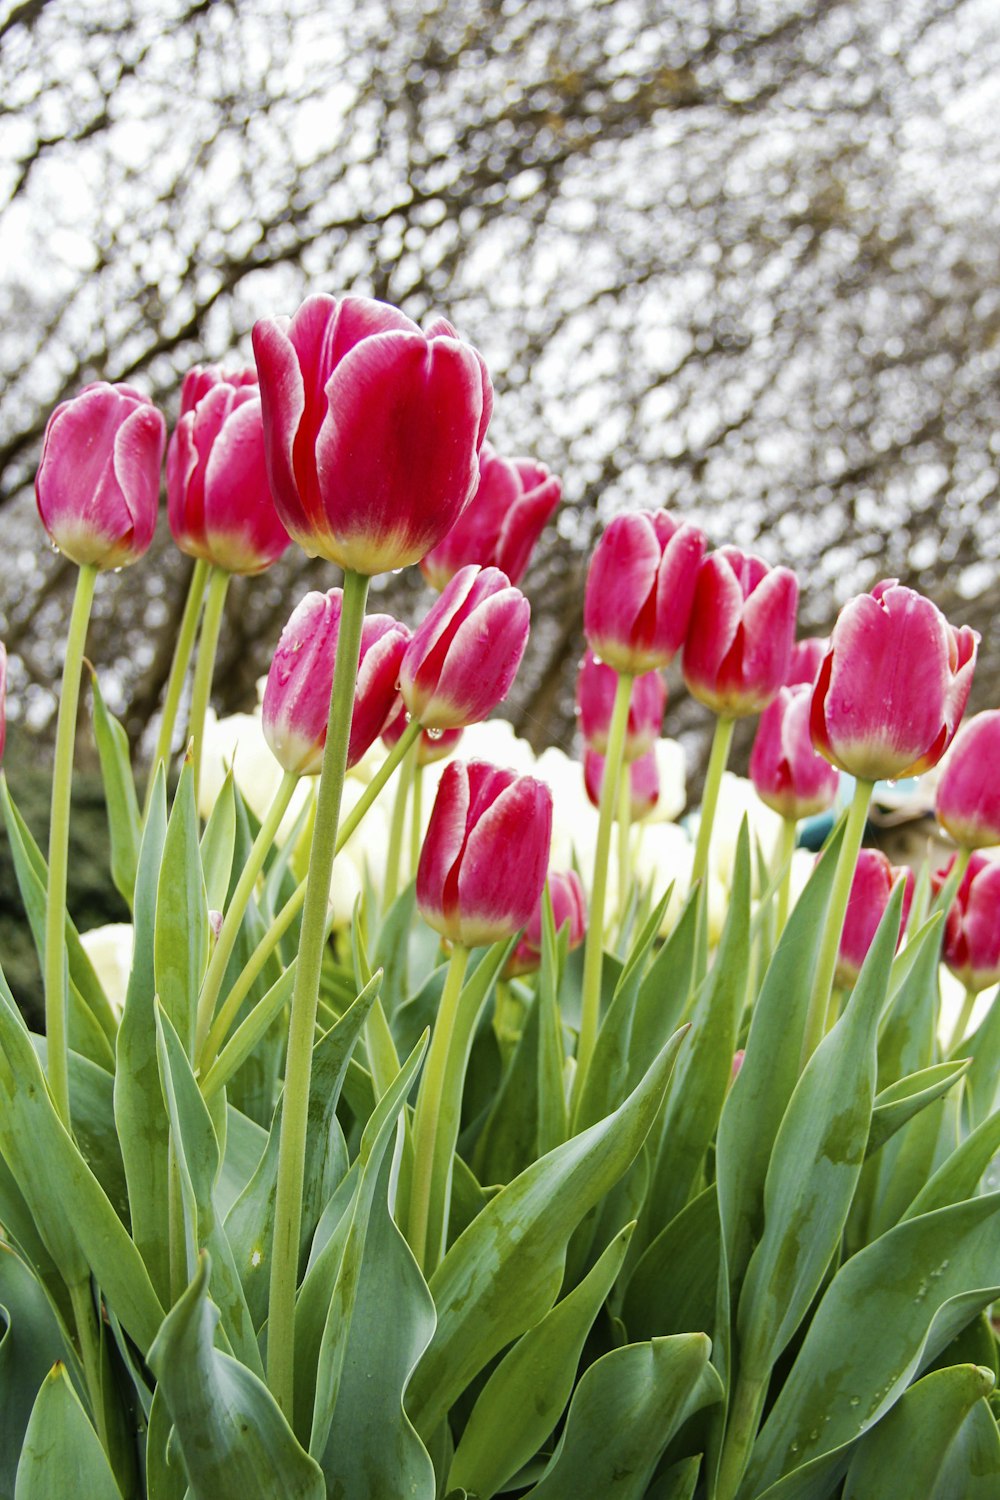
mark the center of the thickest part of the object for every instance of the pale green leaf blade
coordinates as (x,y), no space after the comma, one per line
(62,1454)
(31,1341)
(124,820)
(897,1104)
(180,940)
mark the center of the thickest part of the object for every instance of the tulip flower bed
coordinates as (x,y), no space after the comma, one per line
(535,1173)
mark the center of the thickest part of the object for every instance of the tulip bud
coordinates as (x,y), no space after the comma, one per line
(640,588)
(485,854)
(595,699)
(643,781)
(739,644)
(372,429)
(807,658)
(871,887)
(432,744)
(464,656)
(968,793)
(218,500)
(972,926)
(787,773)
(3,699)
(501,524)
(296,701)
(893,685)
(98,484)
(569,909)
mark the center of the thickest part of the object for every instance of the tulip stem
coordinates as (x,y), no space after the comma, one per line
(394,858)
(819,1001)
(417,822)
(178,671)
(717,761)
(208,644)
(56,976)
(963,1019)
(226,940)
(305,1001)
(593,953)
(786,849)
(741,1429)
(436,1119)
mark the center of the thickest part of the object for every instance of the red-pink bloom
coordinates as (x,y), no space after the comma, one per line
(3,699)
(501,524)
(893,685)
(787,772)
(643,782)
(807,658)
(218,499)
(485,853)
(972,926)
(739,644)
(640,588)
(569,909)
(98,484)
(968,793)
(871,887)
(372,429)
(297,695)
(595,699)
(432,744)
(738,1057)
(464,656)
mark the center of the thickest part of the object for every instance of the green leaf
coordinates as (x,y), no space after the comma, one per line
(180,940)
(665,992)
(888,1311)
(502,1275)
(165,1477)
(672,1288)
(960,1175)
(31,1340)
(391,953)
(91,1092)
(553,1115)
(984,1075)
(679,1482)
(907,1450)
(815,1164)
(235,1443)
(896,1105)
(624,1412)
(124,820)
(218,844)
(62,1454)
(527,1392)
(509,1137)
(972,1467)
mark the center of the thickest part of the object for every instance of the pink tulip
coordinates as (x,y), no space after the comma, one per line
(739,644)
(372,429)
(807,658)
(871,887)
(787,773)
(644,783)
(485,854)
(569,908)
(218,500)
(968,794)
(464,657)
(893,685)
(432,744)
(500,526)
(595,698)
(98,484)
(640,588)
(297,694)
(972,926)
(3,699)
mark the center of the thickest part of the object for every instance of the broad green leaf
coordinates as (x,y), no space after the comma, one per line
(91,1093)
(760,1093)
(180,940)
(959,1176)
(503,1274)
(165,1476)
(896,1105)
(888,1311)
(235,1443)
(31,1341)
(509,1137)
(140,1117)
(679,1482)
(124,820)
(553,1121)
(906,1039)
(664,992)
(705,1069)
(245,1145)
(21,1232)
(672,1288)
(907,1450)
(218,844)
(62,1454)
(972,1467)
(984,1075)
(391,952)
(624,1412)
(527,1392)
(815,1164)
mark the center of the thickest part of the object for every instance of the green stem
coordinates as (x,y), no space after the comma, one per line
(964,1016)
(624,845)
(394,857)
(208,644)
(237,907)
(741,1429)
(305,999)
(56,976)
(436,1120)
(85,1318)
(786,848)
(834,1009)
(717,760)
(593,953)
(417,819)
(178,670)
(819,1002)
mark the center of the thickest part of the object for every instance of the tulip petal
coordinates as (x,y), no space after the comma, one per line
(715,620)
(242,527)
(485,652)
(523,525)
(495,895)
(620,580)
(282,394)
(768,633)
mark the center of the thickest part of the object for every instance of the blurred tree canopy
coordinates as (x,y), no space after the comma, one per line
(737,257)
